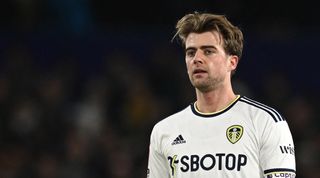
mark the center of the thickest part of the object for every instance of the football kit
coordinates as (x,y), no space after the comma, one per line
(246,139)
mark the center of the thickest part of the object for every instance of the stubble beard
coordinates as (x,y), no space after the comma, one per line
(206,84)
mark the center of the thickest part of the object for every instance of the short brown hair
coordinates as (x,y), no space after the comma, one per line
(204,22)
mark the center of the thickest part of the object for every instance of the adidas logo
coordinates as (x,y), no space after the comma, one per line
(178,140)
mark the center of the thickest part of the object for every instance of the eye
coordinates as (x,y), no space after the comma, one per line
(190,53)
(208,52)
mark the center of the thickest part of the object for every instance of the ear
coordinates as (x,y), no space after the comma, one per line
(233,62)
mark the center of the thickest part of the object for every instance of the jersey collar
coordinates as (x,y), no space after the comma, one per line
(198,113)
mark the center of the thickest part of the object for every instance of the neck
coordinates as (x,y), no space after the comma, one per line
(215,100)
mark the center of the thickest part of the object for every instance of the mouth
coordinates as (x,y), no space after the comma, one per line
(199,71)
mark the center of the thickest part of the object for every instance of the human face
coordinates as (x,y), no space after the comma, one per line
(208,65)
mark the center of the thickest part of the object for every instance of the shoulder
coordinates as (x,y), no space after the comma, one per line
(172,121)
(258,108)
(173,118)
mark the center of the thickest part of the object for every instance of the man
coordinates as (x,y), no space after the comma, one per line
(221,134)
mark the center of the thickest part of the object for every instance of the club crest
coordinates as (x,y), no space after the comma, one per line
(234,133)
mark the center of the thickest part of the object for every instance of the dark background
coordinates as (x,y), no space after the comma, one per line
(83,82)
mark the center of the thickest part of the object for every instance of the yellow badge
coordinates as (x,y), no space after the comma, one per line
(234,133)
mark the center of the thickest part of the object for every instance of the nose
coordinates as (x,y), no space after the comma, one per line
(198,57)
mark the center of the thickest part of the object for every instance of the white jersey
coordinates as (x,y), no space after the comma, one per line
(245,140)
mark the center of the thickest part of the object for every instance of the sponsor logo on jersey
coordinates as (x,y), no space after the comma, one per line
(173,161)
(287,149)
(178,140)
(234,133)
(207,162)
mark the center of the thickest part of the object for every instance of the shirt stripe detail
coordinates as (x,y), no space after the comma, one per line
(272,113)
(268,107)
(278,170)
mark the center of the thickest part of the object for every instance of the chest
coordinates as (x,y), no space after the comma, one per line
(223,137)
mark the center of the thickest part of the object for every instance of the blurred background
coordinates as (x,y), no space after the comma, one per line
(83,82)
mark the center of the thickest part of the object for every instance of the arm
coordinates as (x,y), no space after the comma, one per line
(157,164)
(277,157)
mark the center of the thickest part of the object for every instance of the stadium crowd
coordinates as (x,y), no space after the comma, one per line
(83,105)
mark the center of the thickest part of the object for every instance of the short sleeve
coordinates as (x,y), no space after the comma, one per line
(277,156)
(157,163)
